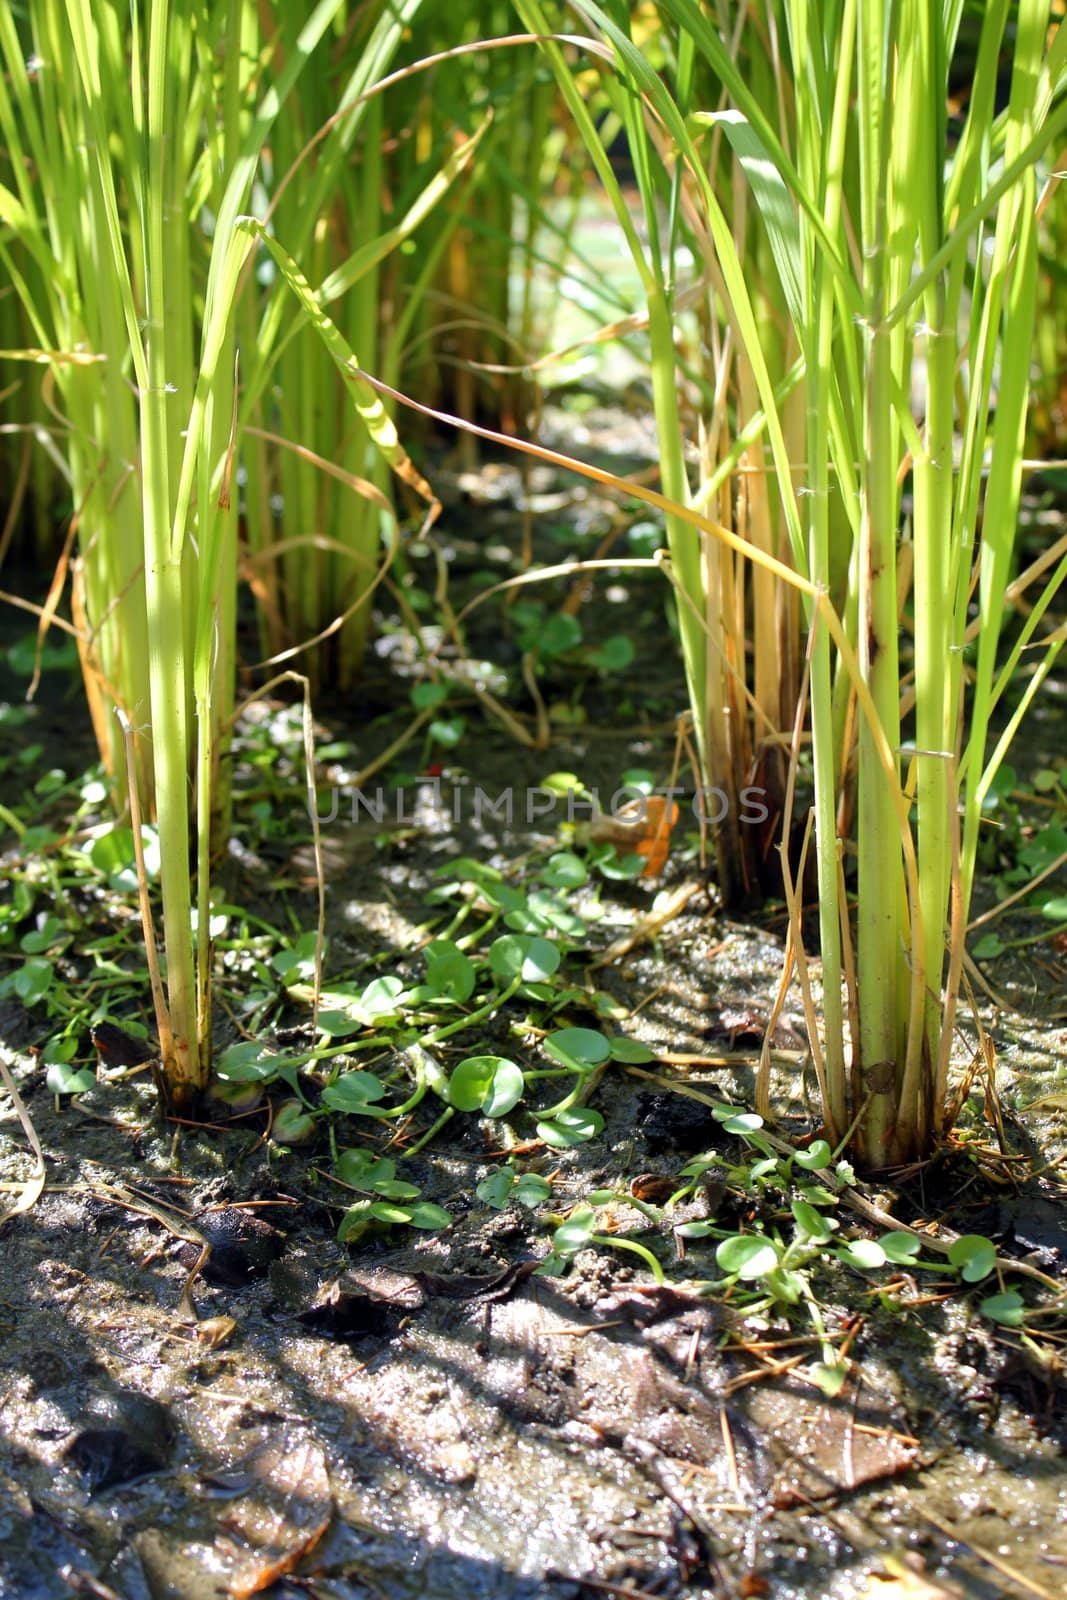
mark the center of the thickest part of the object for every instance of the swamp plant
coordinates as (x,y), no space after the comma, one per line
(906,256)
(134,143)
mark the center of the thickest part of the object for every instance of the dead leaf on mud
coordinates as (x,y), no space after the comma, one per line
(648,1372)
(825,1447)
(361,1304)
(283,1516)
(215,1331)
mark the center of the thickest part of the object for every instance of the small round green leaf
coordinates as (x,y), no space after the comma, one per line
(525,956)
(531,1190)
(291,1124)
(562,783)
(296,965)
(379,999)
(900,1248)
(495,1190)
(338,1023)
(429,1217)
(61,1049)
(446,731)
(63,1079)
(354,1092)
(614,655)
(631,1051)
(362,1169)
(386,1211)
(747,1255)
(250,1062)
(745,1122)
(50,932)
(569,1128)
(815,1158)
(575,1234)
(580,1049)
(564,870)
(695,1230)
(490,1084)
(974,1255)
(553,913)
(1008,1308)
(393,1189)
(556,636)
(449,971)
(428,696)
(502,897)
(863,1254)
(610,864)
(33,980)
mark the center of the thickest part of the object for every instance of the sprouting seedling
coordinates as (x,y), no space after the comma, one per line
(579,1232)
(505,1186)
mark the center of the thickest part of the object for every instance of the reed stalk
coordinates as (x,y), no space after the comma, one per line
(120,148)
(907,261)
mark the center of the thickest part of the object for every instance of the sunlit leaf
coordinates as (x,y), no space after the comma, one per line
(64,1079)
(525,956)
(747,1255)
(576,1233)
(863,1254)
(974,1255)
(580,1049)
(490,1084)
(568,1128)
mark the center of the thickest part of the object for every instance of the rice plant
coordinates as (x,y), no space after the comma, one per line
(907,261)
(314,488)
(135,141)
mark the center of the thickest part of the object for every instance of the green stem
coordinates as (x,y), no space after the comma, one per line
(431,1133)
(472,1018)
(613,1243)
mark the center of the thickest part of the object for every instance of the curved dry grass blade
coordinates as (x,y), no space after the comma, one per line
(368,403)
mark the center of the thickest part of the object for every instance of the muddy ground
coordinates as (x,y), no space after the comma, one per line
(423,1415)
